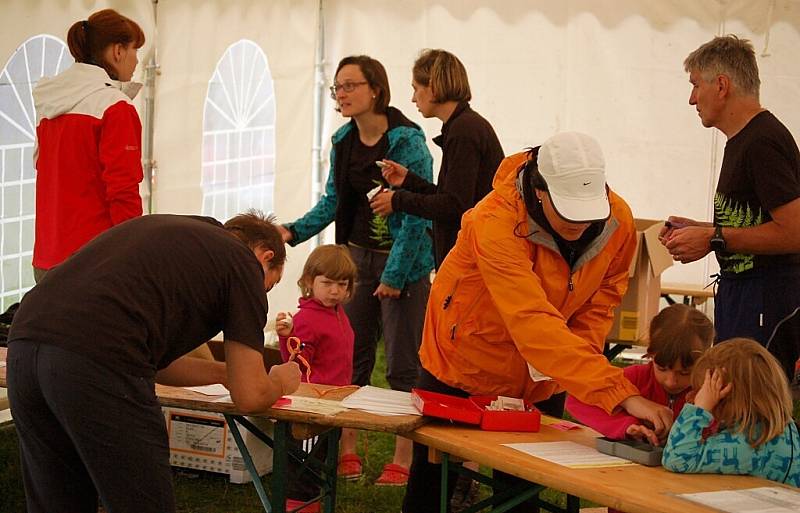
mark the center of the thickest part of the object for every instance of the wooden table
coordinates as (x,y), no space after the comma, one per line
(693,294)
(633,488)
(301,424)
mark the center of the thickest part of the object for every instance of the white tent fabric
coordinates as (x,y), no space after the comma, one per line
(610,68)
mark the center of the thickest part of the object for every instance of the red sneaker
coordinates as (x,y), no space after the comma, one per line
(293,505)
(393,475)
(350,467)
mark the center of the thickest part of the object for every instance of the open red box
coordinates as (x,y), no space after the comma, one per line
(472,410)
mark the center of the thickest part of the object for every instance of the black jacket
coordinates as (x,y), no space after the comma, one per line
(471,153)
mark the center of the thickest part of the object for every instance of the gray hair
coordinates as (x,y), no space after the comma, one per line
(727,55)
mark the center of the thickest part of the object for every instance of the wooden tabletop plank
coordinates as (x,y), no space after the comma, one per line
(633,488)
(182,398)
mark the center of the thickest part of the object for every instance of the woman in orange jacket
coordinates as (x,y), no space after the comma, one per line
(522,304)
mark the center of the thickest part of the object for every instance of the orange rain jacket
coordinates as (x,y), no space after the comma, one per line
(505,296)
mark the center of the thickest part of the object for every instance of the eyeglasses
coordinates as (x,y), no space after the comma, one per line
(348,87)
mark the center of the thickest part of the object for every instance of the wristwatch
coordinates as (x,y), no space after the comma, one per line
(717,241)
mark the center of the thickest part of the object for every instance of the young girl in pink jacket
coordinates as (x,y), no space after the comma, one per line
(326,338)
(678,336)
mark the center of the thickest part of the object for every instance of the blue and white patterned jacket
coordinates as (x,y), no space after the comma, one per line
(411,256)
(727,452)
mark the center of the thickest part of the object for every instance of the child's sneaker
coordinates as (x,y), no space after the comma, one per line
(393,475)
(293,505)
(350,467)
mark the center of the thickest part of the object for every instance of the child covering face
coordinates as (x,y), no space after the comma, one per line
(741,420)
(678,335)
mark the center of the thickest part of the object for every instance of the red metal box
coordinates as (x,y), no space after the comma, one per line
(473,410)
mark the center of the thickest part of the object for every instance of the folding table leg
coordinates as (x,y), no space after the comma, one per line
(248,463)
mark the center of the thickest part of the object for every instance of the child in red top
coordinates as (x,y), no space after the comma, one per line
(678,336)
(324,331)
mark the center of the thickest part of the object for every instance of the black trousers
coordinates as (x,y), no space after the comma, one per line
(400,320)
(301,485)
(424,482)
(763,306)
(86,431)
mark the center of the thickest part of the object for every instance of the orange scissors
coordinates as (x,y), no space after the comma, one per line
(295,347)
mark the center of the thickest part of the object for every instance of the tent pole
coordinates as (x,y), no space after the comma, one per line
(319,90)
(151,71)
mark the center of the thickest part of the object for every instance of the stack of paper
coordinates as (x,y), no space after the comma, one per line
(569,454)
(216,389)
(311,405)
(381,401)
(767,499)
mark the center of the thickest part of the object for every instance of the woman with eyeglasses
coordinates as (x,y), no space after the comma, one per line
(393,254)
(471,153)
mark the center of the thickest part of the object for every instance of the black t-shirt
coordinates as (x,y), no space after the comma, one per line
(760,172)
(147,291)
(369,230)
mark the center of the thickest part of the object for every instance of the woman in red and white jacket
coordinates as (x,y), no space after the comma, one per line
(88,157)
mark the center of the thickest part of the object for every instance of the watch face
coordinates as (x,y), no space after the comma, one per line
(717,241)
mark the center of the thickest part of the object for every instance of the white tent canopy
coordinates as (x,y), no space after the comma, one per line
(612,69)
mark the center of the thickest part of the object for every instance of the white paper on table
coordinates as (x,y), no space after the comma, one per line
(569,454)
(312,405)
(381,401)
(216,389)
(768,499)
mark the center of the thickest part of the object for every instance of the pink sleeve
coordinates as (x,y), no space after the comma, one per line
(614,425)
(121,161)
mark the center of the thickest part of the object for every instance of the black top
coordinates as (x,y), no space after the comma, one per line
(346,200)
(369,230)
(147,291)
(760,172)
(471,154)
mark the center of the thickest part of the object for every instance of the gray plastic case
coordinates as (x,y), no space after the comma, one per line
(633,450)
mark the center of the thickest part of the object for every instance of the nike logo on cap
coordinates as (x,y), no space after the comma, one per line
(586,183)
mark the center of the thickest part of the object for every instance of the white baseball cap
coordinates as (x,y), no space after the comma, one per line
(573,167)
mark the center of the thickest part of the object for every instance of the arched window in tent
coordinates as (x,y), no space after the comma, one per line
(238,155)
(39,56)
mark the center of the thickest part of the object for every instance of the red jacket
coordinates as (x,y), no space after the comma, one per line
(328,342)
(615,425)
(503,300)
(88,160)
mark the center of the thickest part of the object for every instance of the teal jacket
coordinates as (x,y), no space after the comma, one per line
(411,256)
(726,452)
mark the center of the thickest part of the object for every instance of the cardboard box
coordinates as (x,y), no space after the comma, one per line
(202,440)
(642,301)
(472,410)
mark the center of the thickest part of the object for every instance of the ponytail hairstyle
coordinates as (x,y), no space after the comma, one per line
(444,74)
(679,333)
(88,39)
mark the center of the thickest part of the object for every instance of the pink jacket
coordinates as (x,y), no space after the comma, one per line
(615,425)
(328,342)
